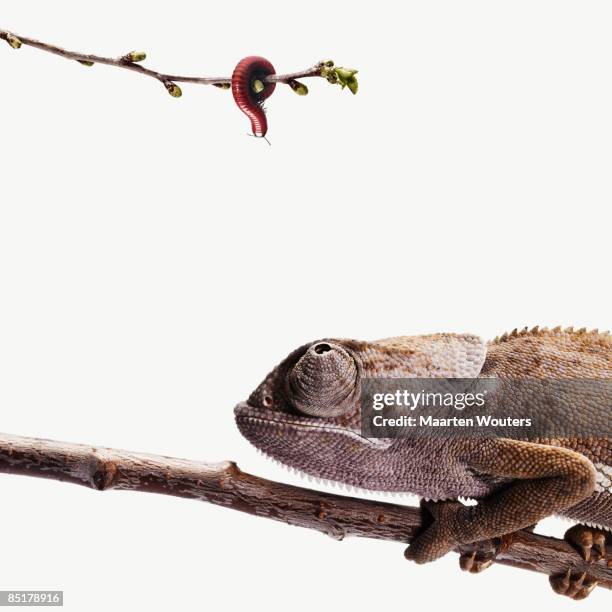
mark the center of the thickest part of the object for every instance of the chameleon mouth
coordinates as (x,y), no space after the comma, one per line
(279,425)
(245,412)
(248,418)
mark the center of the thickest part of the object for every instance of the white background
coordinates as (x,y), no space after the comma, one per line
(155,262)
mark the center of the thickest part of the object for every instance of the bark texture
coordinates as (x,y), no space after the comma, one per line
(16,40)
(224,484)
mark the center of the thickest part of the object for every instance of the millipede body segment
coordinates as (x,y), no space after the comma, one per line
(249,101)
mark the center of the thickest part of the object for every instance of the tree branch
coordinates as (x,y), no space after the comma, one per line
(224,484)
(130,62)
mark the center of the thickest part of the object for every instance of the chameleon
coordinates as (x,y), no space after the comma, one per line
(306,414)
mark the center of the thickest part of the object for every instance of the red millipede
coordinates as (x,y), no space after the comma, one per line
(249,102)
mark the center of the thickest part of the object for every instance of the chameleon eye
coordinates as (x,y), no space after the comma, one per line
(324,382)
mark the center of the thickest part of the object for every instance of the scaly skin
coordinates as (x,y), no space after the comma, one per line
(306,414)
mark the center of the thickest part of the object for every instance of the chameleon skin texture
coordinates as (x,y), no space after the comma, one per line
(306,415)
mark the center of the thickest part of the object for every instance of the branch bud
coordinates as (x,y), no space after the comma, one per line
(329,74)
(299,88)
(173,89)
(12,40)
(257,86)
(345,77)
(85,63)
(345,73)
(135,56)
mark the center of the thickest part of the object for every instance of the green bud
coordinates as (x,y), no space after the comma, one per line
(136,56)
(173,89)
(85,63)
(344,74)
(330,75)
(257,86)
(299,88)
(13,41)
(345,77)
(222,85)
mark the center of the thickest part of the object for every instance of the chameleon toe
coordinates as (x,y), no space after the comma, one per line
(588,541)
(575,586)
(476,562)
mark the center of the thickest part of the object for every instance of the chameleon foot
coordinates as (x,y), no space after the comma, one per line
(476,562)
(438,538)
(588,541)
(479,556)
(574,586)
(591,544)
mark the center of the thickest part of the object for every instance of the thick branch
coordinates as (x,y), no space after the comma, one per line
(126,62)
(225,485)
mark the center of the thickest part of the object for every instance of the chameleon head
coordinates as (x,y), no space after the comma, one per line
(307,414)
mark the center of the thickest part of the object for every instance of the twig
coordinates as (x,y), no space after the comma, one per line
(224,484)
(130,62)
